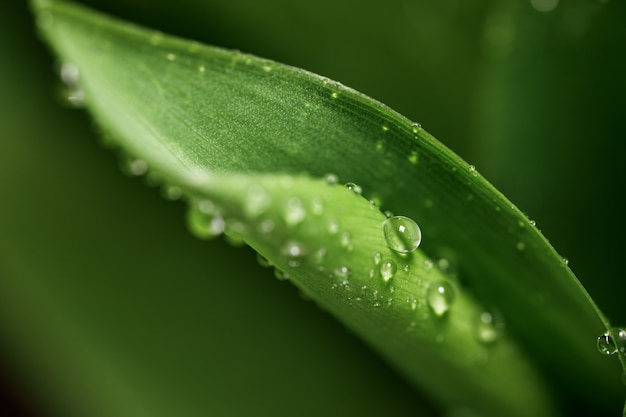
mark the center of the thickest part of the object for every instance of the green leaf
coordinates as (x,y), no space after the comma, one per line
(255,138)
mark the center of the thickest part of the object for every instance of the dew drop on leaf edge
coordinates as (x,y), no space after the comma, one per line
(609,346)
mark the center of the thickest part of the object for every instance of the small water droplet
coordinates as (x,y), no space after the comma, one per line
(490,326)
(565,261)
(320,255)
(413,303)
(345,240)
(385,128)
(343,272)
(171,57)
(403,235)
(294,250)
(294,212)
(413,157)
(204,221)
(172,192)
(263,261)
(388,213)
(69,75)
(544,5)
(136,167)
(377,258)
(520,246)
(379,145)
(356,189)
(375,200)
(428,264)
(266,226)
(234,231)
(257,201)
(201,68)
(331,179)
(317,206)
(267,67)
(388,269)
(280,275)
(156,37)
(533,223)
(472,170)
(440,297)
(416,127)
(333,227)
(609,346)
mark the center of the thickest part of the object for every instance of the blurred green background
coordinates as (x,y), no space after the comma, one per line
(109,307)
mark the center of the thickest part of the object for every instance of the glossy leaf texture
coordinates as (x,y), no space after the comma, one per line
(219,123)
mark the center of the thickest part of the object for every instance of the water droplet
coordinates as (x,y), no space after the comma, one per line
(266,226)
(69,75)
(156,37)
(375,200)
(267,67)
(388,213)
(413,303)
(320,255)
(609,346)
(544,5)
(356,189)
(172,192)
(234,231)
(416,127)
(440,297)
(413,157)
(377,258)
(263,261)
(331,179)
(201,68)
(490,326)
(257,201)
(565,261)
(533,223)
(388,269)
(343,272)
(333,227)
(171,57)
(280,275)
(136,167)
(472,170)
(446,266)
(204,221)
(403,235)
(317,206)
(379,145)
(520,246)
(385,128)
(345,240)
(334,94)
(294,212)
(294,250)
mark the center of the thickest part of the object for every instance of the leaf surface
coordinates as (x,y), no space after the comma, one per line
(255,137)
